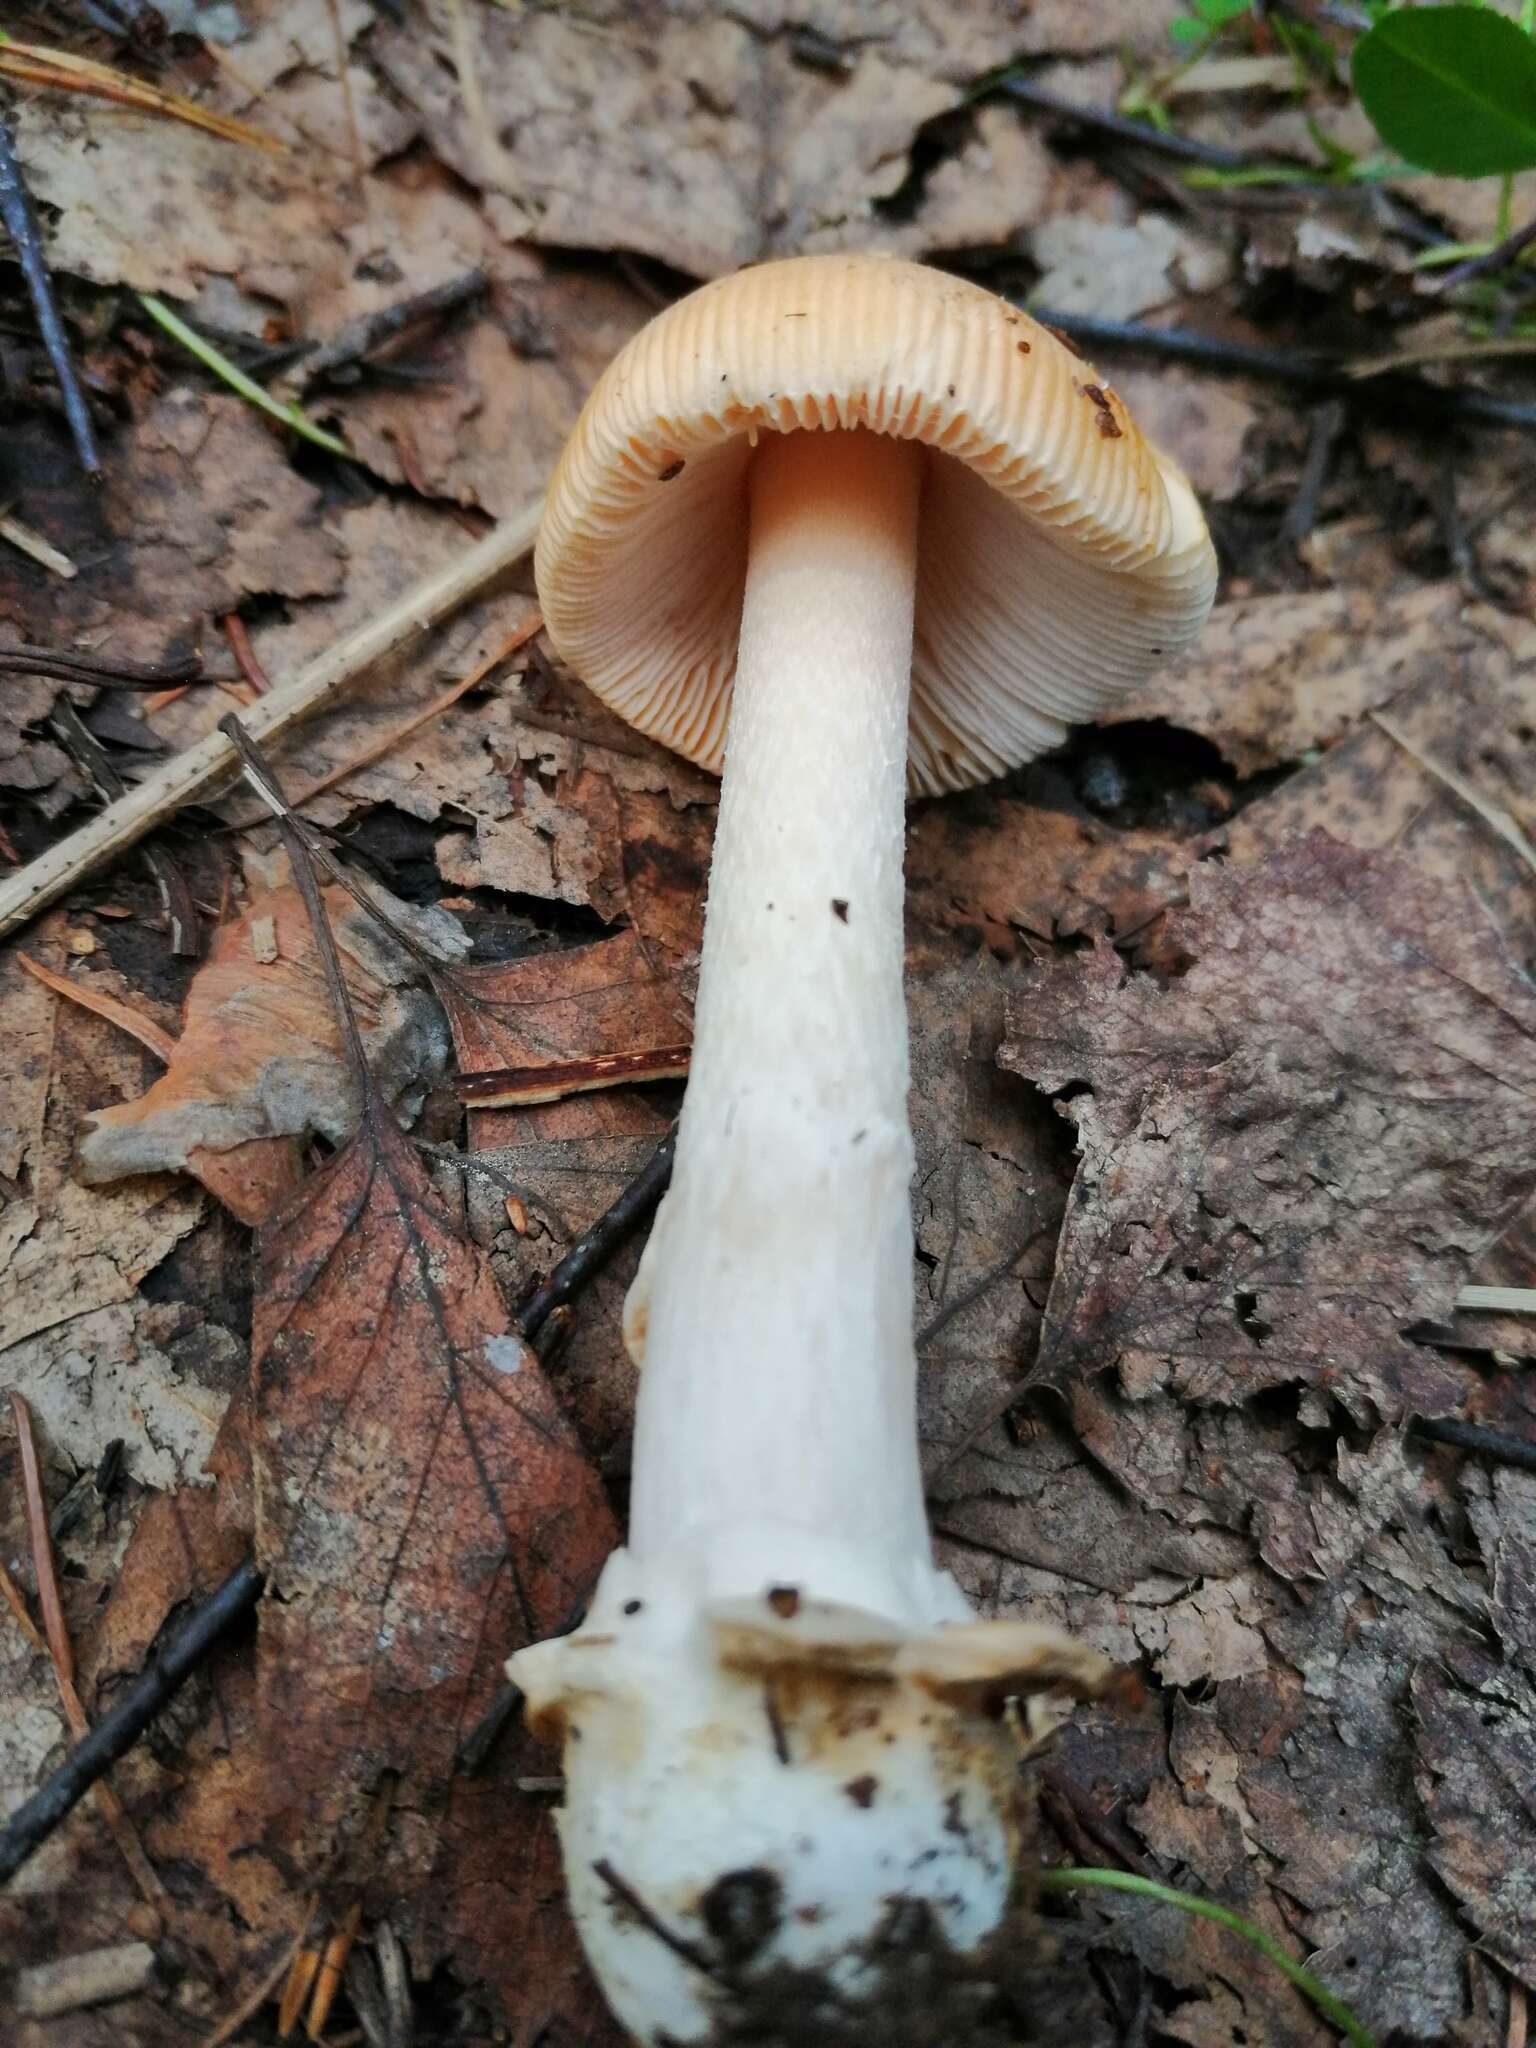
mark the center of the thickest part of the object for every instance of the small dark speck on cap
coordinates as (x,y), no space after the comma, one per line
(862,1790)
(785,1601)
(840,909)
(1023,348)
(633,1606)
(672,469)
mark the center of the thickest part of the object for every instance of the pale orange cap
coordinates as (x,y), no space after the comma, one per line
(1061,557)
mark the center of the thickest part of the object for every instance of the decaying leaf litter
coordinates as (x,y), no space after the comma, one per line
(1265,940)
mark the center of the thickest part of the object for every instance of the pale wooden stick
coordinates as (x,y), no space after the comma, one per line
(188,775)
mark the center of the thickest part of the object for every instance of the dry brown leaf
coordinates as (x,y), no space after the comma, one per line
(1274,676)
(1295,1151)
(1476,714)
(422,1506)
(1032,856)
(75,1338)
(725,139)
(1476,1743)
(198,509)
(258,1068)
(552,1009)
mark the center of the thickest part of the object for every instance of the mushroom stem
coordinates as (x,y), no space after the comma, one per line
(774,1305)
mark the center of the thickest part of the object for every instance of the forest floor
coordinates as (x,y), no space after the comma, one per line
(1224,1034)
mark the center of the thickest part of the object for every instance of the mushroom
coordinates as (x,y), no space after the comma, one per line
(851,529)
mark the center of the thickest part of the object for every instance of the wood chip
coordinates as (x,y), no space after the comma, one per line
(100,1974)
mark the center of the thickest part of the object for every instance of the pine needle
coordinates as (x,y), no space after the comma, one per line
(64,72)
(291,415)
(1332,2008)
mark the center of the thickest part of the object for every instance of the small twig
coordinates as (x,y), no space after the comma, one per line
(37,547)
(1499,257)
(62,1654)
(1491,348)
(101,671)
(472,1752)
(626,1895)
(1459,544)
(1513,1301)
(15,1599)
(595,1247)
(245,654)
(1301,514)
(1118,128)
(21,226)
(380,747)
(361,337)
(1492,814)
(54,1629)
(1413,396)
(1107,1835)
(116,1732)
(1487,1443)
(165,789)
(517,1087)
(186,932)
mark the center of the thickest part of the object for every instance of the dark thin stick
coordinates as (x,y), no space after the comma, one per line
(116,1733)
(81,744)
(595,1247)
(631,1901)
(21,226)
(361,337)
(1289,366)
(1119,128)
(472,1753)
(66,667)
(1301,514)
(1498,258)
(1107,1835)
(1487,1443)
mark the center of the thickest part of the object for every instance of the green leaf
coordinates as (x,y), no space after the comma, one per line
(1452,89)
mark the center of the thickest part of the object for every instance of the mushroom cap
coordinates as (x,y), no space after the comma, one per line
(1061,557)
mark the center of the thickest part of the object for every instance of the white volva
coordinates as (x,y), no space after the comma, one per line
(779,1717)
